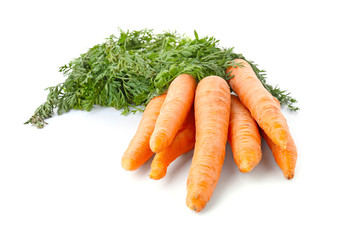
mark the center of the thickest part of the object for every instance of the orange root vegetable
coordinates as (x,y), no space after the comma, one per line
(183,142)
(261,104)
(285,158)
(179,100)
(138,151)
(212,112)
(244,137)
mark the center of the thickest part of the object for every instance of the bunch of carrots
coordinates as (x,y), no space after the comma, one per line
(203,117)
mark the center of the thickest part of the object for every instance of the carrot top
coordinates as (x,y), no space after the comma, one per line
(125,72)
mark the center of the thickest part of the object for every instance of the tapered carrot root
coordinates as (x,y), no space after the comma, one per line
(285,158)
(183,142)
(174,111)
(138,151)
(212,111)
(261,104)
(244,136)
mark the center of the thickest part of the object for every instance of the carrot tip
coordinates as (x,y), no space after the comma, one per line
(157,174)
(126,165)
(158,169)
(154,177)
(196,203)
(248,161)
(246,167)
(156,144)
(195,208)
(289,175)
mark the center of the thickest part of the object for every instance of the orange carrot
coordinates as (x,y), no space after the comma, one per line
(261,104)
(285,158)
(183,142)
(244,136)
(212,111)
(138,151)
(174,111)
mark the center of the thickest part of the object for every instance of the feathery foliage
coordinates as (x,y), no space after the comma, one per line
(125,72)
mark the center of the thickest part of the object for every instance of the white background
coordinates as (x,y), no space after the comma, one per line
(66,182)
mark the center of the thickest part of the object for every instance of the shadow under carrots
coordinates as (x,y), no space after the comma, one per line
(267,166)
(179,167)
(177,173)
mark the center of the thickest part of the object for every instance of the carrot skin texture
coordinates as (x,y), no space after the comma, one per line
(179,100)
(183,142)
(138,151)
(262,105)
(212,112)
(244,136)
(285,158)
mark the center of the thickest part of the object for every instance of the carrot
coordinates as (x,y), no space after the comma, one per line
(138,151)
(174,111)
(212,111)
(244,136)
(183,142)
(261,104)
(285,158)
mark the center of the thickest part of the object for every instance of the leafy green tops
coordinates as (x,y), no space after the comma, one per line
(125,72)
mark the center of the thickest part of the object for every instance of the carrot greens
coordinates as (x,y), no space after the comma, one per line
(125,72)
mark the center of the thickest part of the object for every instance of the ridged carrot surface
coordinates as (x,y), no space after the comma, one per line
(138,151)
(259,101)
(179,100)
(285,158)
(244,136)
(212,111)
(183,142)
